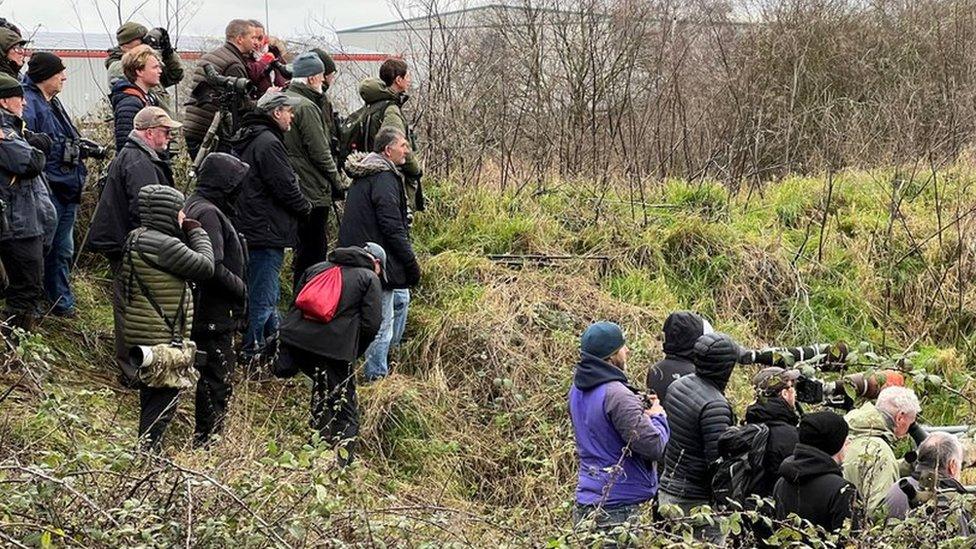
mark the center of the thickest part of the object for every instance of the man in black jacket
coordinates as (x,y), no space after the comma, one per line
(376,211)
(775,407)
(325,351)
(219,301)
(142,161)
(698,413)
(812,484)
(681,330)
(268,211)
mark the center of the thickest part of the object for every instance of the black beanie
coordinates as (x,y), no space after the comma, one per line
(10,87)
(43,65)
(825,431)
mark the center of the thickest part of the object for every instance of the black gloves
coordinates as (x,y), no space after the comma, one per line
(338,193)
(40,141)
(165,45)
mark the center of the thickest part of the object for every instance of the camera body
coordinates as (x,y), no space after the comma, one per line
(158,39)
(76,150)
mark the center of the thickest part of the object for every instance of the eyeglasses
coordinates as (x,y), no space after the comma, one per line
(19,49)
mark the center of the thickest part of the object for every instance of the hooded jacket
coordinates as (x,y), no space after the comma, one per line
(616,443)
(49,117)
(29,212)
(357,318)
(699,413)
(156,267)
(309,149)
(782,420)
(227,60)
(870,463)
(8,39)
(172,75)
(373,90)
(376,211)
(117,213)
(813,488)
(221,299)
(271,202)
(681,330)
(127,100)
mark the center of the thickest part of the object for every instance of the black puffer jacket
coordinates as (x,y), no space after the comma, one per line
(127,100)
(782,419)
(220,300)
(813,487)
(271,202)
(681,330)
(357,317)
(376,211)
(133,168)
(699,413)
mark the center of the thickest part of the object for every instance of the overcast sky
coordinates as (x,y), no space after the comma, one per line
(287,17)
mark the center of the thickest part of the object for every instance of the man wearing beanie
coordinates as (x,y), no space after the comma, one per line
(699,414)
(12,52)
(311,156)
(329,115)
(29,215)
(65,171)
(812,484)
(681,330)
(618,441)
(132,35)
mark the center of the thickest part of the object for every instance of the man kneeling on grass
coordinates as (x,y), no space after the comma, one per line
(336,315)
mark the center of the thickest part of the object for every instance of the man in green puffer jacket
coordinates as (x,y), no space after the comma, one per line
(160,258)
(871,465)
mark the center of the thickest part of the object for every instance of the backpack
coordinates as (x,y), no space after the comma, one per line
(356,133)
(319,298)
(739,468)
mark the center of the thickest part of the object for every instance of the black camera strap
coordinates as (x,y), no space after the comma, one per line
(176,326)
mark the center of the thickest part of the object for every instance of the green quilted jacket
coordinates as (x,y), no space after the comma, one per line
(158,256)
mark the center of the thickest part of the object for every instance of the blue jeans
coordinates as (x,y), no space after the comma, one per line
(264,289)
(395,305)
(57,262)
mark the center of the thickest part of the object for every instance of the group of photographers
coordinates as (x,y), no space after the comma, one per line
(687,451)
(190,273)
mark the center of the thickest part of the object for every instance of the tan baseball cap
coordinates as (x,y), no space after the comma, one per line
(154,117)
(774,379)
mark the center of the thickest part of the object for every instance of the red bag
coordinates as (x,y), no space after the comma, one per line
(319,298)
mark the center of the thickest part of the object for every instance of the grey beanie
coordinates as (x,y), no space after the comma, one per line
(307,64)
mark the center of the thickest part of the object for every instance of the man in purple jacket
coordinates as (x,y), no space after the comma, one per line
(617,439)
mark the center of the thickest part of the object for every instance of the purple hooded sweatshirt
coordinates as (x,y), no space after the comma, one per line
(606,414)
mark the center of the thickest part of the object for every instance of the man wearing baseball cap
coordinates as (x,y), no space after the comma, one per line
(142,161)
(268,211)
(775,407)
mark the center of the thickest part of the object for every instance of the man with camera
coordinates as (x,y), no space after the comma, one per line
(228,61)
(311,157)
(875,429)
(132,35)
(142,161)
(65,171)
(160,259)
(619,437)
(268,211)
(27,216)
(266,64)
(134,92)
(220,300)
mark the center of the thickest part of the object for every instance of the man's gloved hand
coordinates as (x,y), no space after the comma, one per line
(40,141)
(189,224)
(165,45)
(273,50)
(338,193)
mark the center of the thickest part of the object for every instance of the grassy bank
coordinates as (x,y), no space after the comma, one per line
(469,442)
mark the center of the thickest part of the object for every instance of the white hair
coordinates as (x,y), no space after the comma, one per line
(938,449)
(300,79)
(898,399)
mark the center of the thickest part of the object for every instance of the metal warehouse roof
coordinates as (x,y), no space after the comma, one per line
(76,44)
